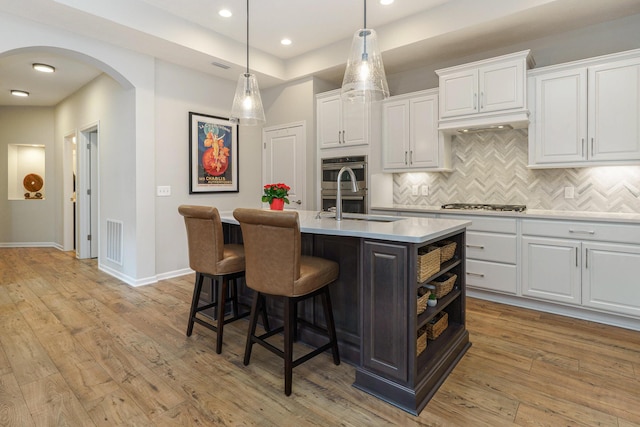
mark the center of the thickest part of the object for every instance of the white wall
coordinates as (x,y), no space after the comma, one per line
(106,102)
(178,91)
(27,222)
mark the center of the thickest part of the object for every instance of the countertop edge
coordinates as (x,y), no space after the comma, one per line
(402,230)
(614,217)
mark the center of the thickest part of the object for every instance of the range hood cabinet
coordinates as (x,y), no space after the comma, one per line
(485,94)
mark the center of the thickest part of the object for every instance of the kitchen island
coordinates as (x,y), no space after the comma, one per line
(375,299)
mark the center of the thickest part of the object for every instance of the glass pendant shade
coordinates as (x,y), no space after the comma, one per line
(247,104)
(364,79)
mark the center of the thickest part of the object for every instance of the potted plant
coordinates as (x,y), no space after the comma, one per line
(432,301)
(276,195)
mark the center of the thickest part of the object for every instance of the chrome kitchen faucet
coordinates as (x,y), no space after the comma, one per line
(354,188)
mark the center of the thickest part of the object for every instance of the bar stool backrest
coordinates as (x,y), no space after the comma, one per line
(272,249)
(204,236)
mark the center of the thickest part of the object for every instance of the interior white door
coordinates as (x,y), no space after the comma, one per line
(93,199)
(284,158)
(87,194)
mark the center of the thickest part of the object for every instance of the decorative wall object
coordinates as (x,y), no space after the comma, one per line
(491,167)
(213,154)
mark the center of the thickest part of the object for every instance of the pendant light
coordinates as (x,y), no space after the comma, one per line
(247,105)
(364,79)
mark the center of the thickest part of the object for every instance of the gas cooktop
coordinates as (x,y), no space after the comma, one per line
(485,207)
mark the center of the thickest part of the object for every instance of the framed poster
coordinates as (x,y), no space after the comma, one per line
(213,154)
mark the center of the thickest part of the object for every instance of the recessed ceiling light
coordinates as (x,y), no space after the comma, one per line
(285,42)
(44,68)
(386,2)
(16,92)
(225,13)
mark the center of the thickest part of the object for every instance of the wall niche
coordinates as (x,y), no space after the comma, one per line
(26,172)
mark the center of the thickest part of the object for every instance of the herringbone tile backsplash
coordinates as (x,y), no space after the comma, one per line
(492,168)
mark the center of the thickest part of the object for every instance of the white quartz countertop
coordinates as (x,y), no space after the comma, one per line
(633,218)
(382,227)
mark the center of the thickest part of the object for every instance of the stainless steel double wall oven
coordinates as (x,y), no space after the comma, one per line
(353,202)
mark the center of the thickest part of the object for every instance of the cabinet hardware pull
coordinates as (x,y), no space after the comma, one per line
(582,147)
(411,157)
(475,246)
(481,100)
(591,146)
(405,157)
(576,256)
(586,258)
(344,139)
(469,273)
(475,101)
(581,231)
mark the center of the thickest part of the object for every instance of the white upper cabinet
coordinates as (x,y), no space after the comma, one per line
(341,124)
(586,113)
(614,111)
(410,137)
(479,93)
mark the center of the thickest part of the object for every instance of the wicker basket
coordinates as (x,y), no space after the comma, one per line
(437,325)
(428,262)
(447,250)
(421,342)
(444,284)
(422,302)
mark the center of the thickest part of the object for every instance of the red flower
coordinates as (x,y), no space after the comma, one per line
(279,190)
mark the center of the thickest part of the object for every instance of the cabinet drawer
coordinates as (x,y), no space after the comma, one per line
(622,233)
(492,276)
(491,247)
(483,223)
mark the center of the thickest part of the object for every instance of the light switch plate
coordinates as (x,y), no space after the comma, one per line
(163,191)
(414,190)
(425,190)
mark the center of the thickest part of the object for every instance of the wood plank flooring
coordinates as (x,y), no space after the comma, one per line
(80,348)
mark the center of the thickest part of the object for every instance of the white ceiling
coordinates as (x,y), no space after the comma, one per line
(412,33)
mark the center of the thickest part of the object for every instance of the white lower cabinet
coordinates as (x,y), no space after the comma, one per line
(551,269)
(611,277)
(491,249)
(593,270)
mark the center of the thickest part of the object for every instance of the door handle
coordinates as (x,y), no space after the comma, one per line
(298,202)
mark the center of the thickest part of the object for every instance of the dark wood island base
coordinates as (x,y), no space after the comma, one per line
(375,303)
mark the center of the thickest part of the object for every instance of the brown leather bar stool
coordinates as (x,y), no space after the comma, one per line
(275,267)
(210,257)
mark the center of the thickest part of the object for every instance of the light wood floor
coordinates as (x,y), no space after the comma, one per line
(80,348)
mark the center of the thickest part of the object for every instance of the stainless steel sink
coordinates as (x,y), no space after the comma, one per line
(371,218)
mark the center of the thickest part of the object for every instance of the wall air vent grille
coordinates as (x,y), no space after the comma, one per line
(114,241)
